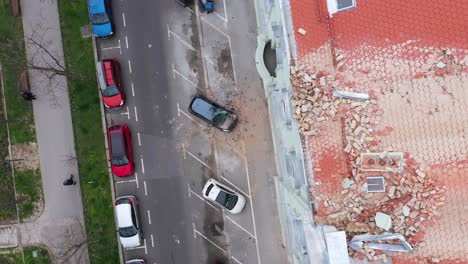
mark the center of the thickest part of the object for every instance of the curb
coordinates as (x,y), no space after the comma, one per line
(104,126)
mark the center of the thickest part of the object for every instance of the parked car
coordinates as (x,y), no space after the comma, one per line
(185,3)
(110,83)
(224,196)
(135,261)
(127,221)
(120,150)
(212,113)
(101,18)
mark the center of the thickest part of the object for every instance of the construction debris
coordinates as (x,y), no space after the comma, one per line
(410,199)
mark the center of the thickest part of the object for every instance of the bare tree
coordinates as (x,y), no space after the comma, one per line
(42,61)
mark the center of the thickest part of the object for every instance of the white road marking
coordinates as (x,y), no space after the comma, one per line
(209,60)
(174,72)
(152,241)
(251,203)
(109,48)
(149,217)
(185,43)
(204,200)
(199,160)
(236,260)
(233,185)
(144,246)
(189,194)
(144,185)
(136,178)
(183,150)
(189,117)
(126,41)
(207,239)
(142,165)
(194,234)
(126,113)
(129,66)
(120,48)
(139,139)
(133,90)
(123,18)
(241,227)
(126,181)
(178,111)
(230,47)
(136,114)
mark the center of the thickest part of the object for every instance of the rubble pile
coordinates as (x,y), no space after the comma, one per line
(410,198)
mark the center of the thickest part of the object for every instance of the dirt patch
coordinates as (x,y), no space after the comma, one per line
(27,155)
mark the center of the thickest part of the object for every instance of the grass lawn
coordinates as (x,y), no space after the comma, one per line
(32,255)
(8,25)
(36,255)
(28,185)
(89,138)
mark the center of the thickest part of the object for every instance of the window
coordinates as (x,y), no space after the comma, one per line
(335,6)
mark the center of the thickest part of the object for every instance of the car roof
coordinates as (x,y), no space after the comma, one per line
(96,6)
(117,144)
(203,107)
(124,214)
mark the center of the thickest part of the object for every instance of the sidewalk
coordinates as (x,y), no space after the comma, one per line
(61,226)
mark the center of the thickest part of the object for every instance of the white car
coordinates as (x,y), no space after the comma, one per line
(224,196)
(127,221)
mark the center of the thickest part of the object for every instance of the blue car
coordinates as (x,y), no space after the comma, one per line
(101,18)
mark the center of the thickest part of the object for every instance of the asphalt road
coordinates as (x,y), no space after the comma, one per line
(168,54)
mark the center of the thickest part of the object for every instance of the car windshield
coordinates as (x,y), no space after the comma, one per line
(110,91)
(226,199)
(98,19)
(128,231)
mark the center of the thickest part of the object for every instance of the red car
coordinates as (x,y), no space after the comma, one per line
(110,83)
(120,150)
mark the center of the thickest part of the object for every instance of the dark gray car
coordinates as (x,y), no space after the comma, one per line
(212,113)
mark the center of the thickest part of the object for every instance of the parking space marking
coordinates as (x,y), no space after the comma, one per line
(149,216)
(185,43)
(201,198)
(241,227)
(235,187)
(126,181)
(144,185)
(251,202)
(140,247)
(133,89)
(152,241)
(174,72)
(126,42)
(236,260)
(129,66)
(139,139)
(184,155)
(180,111)
(123,18)
(199,160)
(142,165)
(207,239)
(136,113)
(230,47)
(126,113)
(136,178)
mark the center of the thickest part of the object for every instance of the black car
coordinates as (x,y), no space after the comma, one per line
(212,113)
(185,3)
